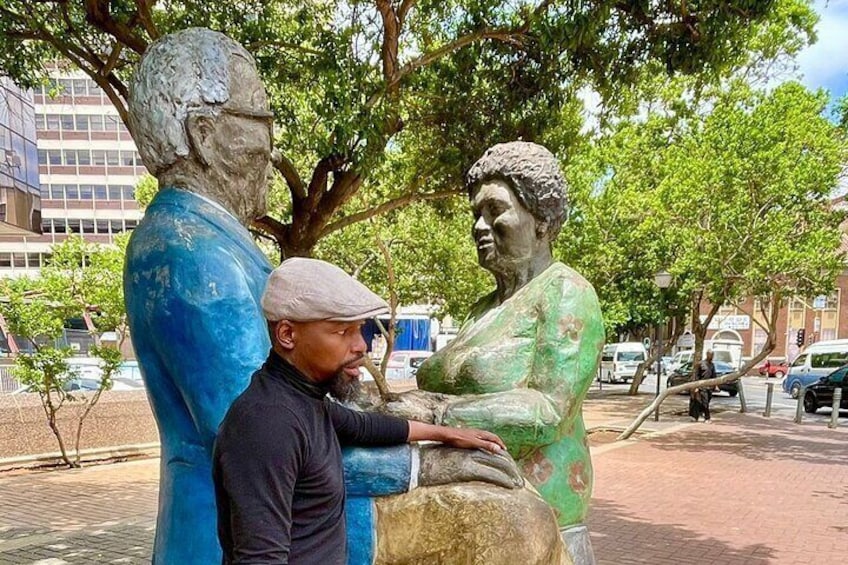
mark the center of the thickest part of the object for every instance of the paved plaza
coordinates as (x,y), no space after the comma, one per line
(744,490)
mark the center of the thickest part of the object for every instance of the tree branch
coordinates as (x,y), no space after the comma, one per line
(145,16)
(97,13)
(289,172)
(386,207)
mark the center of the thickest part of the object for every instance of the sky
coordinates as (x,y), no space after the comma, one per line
(825,64)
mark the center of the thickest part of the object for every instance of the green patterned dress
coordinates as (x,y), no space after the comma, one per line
(523,369)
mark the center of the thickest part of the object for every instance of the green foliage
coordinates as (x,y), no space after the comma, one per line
(145,189)
(81,277)
(352,83)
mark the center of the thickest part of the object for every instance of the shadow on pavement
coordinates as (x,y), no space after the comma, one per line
(620,538)
(759,438)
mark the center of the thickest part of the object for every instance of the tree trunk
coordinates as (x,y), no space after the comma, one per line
(652,360)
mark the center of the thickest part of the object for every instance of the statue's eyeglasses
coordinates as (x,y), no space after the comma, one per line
(261,115)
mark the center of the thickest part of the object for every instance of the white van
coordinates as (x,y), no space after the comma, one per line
(620,361)
(814,362)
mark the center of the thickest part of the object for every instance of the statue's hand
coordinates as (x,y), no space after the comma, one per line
(418,405)
(442,465)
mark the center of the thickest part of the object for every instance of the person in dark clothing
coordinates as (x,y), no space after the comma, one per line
(699,400)
(278,463)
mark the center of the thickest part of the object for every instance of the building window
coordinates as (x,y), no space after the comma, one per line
(59,226)
(34,260)
(53,122)
(67,122)
(98,157)
(54,156)
(70,157)
(116,226)
(19,260)
(828,317)
(74,226)
(93,89)
(72,192)
(85,192)
(115,193)
(80,87)
(42,156)
(129,193)
(83,157)
(110,123)
(112,158)
(96,122)
(87,226)
(131,224)
(5,260)
(46,225)
(102,226)
(127,158)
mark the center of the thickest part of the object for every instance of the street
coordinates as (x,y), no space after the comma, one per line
(756,390)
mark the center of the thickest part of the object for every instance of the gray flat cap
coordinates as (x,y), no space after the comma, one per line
(309,290)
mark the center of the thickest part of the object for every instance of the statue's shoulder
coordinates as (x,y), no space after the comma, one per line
(559,275)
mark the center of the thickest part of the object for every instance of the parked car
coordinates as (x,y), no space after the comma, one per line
(820,393)
(404,364)
(814,362)
(683,374)
(620,361)
(769,369)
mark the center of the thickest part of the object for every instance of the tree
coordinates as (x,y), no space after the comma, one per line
(81,279)
(745,198)
(351,82)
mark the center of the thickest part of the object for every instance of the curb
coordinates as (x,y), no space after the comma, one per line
(86,455)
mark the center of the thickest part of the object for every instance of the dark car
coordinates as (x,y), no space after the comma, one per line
(820,393)
(683,374)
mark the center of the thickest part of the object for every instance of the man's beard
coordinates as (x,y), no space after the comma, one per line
(344,388)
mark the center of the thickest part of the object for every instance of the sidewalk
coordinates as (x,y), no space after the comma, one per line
(743,490)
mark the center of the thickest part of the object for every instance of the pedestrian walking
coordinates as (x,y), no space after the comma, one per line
(699,399)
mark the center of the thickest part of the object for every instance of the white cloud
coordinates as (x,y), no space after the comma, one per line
(825,64)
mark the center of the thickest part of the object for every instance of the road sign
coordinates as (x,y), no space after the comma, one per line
(686,340)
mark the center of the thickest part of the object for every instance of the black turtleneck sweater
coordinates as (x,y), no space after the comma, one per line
(277,468)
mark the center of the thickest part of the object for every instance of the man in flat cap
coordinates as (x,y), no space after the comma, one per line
(277,464)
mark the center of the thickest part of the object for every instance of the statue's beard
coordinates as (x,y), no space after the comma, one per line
(343,387)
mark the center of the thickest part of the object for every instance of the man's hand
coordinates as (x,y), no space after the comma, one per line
(443,465)
(465,438)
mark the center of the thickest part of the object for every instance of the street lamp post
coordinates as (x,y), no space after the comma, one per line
(663,280)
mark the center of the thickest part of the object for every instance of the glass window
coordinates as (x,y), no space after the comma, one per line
(85,192)
(127,158)
(115,193)
(5,260)
(825,360)
(66,86)
(53,122)
(631,356)
(70,157)
(46,225)
(98,157)
(112,158)
(42,156)
(34,260)
(116,226)
(87,226)
(96,122)
(18,260)
(71,192)
(102,226)
(67,122)
(59,226)
(129,193)
(100,192)
(80,87)
(73,226)
(837,376)
(110,123)
(800,361)
(81,122)
(54,156)
(57,191)
(93,89)
(83,157)
(131,224)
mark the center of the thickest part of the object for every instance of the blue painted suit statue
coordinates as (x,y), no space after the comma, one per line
(194,278)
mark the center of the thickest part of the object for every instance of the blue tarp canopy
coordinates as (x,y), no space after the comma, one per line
(412,333)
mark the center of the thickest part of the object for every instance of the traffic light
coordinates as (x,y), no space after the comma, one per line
(799,339)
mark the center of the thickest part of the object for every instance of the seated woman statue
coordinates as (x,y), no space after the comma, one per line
(523,361)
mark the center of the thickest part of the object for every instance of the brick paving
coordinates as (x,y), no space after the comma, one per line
(745,490)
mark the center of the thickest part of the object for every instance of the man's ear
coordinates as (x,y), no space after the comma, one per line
(199,129)
(284,334)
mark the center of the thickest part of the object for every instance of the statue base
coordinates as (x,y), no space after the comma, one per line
(578,545)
